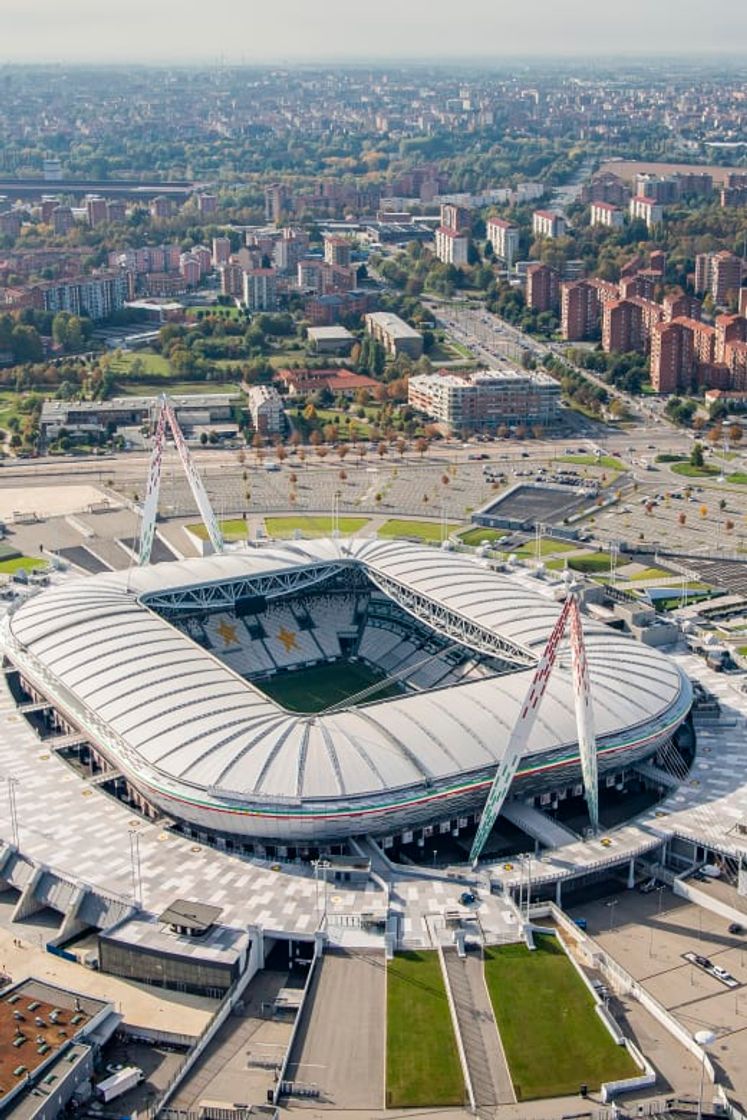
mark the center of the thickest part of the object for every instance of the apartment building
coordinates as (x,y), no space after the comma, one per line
(486,400)
(504,237)
(96,211)
(672,364)
(605,214)
(260,289)
(541,290)
(627,324)
(394,334)
(231,280)
(207,204)
(647,209)
(98,297)
(337,251)
(221,251)
(726,276)
(266,410)
(581,307)
(546,223)
(63,220)
(452,247)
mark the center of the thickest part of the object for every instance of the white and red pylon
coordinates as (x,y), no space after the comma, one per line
(570,615)
(166,415)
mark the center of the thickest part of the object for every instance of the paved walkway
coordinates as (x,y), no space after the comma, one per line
(491,1081)
(340,1045)
(238,1065)
(140,1004)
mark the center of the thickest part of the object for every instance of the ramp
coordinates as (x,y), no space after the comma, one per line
(549,833)
(491,1083)
(340,1041)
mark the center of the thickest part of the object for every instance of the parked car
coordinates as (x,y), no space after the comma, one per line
(736,928)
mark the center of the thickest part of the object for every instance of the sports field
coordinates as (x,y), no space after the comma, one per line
(422,1062)
(321,686)
(553,1039)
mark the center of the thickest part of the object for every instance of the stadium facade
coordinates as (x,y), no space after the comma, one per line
(167,670)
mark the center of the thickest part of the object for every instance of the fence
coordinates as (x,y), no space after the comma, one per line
(623,981)
(158,1109)
(282,1079)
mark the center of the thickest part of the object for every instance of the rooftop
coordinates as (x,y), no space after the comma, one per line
(36,1020)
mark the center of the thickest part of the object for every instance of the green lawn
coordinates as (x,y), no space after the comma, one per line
(154,365)
(592,562)
(739,477)
(25,563)
(321,686)
(348,424)
(606,461)
(689,471)
(174,388)
(476,536)
(553,1039)
(311,526)
(280,359)
(651,573)
(422,1061)
(426,530)
(548,547)
(233,529)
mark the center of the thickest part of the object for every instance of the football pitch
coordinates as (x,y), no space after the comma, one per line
(321,686)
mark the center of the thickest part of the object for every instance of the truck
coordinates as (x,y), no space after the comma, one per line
(126,1078)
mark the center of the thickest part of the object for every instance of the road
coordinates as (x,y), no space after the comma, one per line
(491,338)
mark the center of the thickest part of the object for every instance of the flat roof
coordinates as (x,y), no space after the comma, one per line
(333,332)
(196,915)
(391,323)
(25,1013)
(220,944)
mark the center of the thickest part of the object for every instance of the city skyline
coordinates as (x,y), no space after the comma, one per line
(86,31)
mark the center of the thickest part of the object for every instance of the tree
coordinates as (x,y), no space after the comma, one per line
(421,446)
(696,455)
(735,433)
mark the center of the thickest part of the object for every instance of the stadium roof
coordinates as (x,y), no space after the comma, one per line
(180,719)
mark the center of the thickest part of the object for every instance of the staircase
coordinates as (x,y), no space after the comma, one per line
(491,1083)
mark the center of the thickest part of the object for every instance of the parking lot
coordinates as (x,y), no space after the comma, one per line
(648,934)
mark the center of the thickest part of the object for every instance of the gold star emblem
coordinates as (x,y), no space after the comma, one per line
(288,638)
(227,633)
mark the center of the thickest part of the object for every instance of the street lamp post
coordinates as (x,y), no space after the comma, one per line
(321,865)
(611,905)
(135,867)
(12,783)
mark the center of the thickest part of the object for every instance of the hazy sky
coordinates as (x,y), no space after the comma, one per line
(276,30)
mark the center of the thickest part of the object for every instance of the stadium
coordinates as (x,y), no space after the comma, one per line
(306,693)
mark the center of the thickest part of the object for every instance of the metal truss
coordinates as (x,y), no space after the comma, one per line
(451,624)
(223,595)
(519,738)
(166,414)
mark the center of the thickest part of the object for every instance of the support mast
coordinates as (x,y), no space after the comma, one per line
(509,764)
(166,415)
